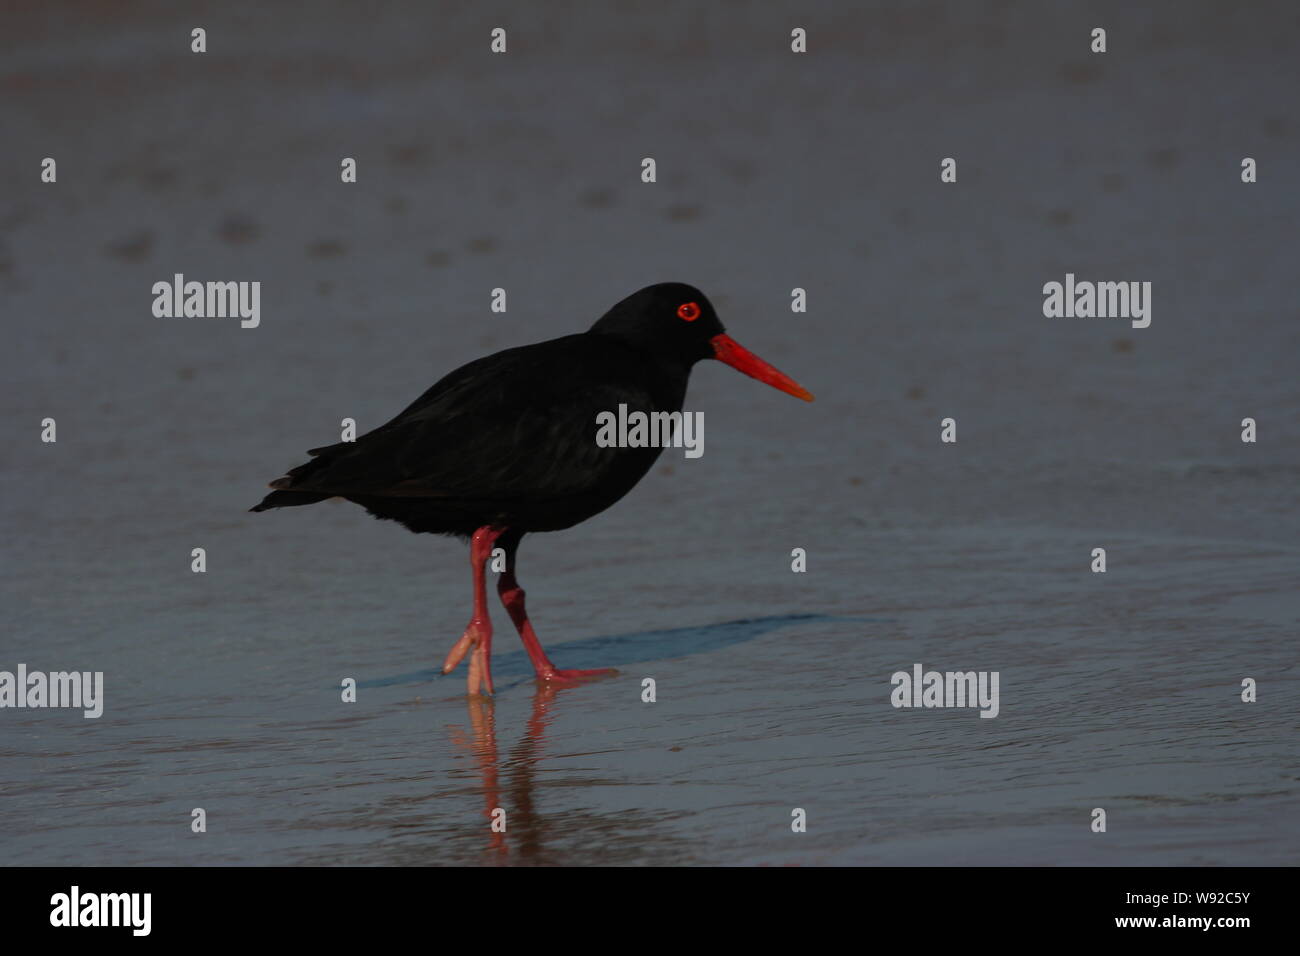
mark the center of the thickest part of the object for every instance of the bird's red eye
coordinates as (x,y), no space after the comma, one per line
(688,311)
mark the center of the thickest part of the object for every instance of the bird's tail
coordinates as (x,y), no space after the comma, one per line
(288,499)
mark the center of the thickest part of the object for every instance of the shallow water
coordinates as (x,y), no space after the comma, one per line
(773,688)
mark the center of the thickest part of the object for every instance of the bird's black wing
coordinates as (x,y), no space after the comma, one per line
(517,424)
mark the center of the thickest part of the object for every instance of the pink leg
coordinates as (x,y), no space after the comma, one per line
(478,635)
(512,596)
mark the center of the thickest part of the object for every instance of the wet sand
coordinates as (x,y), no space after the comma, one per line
(222,689)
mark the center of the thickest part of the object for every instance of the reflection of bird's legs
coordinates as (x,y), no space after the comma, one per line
(478,635)
(512,596)
(529,826)
(482,721)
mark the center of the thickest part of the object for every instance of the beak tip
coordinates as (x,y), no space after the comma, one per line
(728,351)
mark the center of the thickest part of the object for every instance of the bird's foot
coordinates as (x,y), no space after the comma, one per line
(558,675)
(477,642)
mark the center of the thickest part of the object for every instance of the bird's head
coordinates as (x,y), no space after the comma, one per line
(677,322)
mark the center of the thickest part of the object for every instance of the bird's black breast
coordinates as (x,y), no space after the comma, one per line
(508,439)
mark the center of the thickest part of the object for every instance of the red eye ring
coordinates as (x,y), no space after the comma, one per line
(688,311)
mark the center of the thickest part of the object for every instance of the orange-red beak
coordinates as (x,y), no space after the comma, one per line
(728,350)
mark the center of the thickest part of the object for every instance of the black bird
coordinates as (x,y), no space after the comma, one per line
(507,445)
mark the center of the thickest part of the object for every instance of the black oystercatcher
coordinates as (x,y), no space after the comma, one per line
(507,445)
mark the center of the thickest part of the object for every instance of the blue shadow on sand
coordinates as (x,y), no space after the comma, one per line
(622,650)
